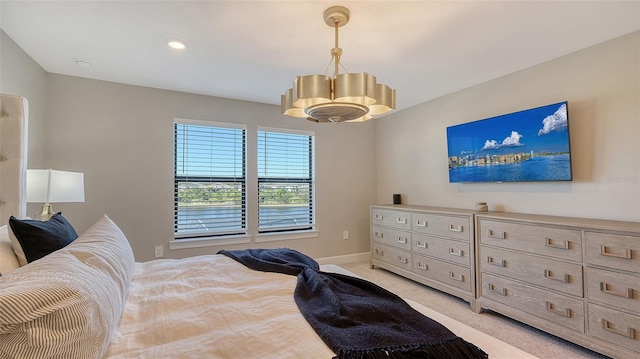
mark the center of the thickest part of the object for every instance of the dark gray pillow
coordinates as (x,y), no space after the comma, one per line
(39,238)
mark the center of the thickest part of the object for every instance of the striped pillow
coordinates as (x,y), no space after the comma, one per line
(8,259)
(67,304)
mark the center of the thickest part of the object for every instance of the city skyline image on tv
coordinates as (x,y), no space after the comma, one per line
(526,146)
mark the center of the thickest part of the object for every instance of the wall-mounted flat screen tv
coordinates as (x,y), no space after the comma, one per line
(525,146)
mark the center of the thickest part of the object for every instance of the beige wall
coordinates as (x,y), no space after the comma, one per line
(601,84)
(121,137)
(20,75)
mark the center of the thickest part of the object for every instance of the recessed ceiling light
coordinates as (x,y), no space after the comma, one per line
(82,63)
(176,44)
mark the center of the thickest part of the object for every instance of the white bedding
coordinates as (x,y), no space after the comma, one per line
(90,300)
(212,307)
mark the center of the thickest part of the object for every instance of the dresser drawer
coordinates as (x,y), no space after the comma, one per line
(391,237)
(443,248)
(614,326)
(441,225)
(393,256)
(449,273)
(390,218)
(615,251)
(616,289)
(549,273)
(553,242)
(553,307)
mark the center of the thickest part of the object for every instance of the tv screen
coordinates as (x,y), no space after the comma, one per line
(526,146)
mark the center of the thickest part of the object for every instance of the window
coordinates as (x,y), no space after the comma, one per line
(209,179)
(285,180)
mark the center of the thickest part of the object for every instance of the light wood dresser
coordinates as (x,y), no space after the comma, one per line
(575,278)
(430,245)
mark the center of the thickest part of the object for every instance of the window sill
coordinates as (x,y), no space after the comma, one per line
(208,241)
(283,236)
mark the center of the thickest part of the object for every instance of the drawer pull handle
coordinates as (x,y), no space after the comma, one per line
(420,223)
(401,220)
(565,313)
(629,333)
(423,266)
(379,252)
(421,244)
(401,240)
(549,275)
(500,263)
(562,245)
(403,260)
(496,235)
(455,229)
(501,291)
(458,253)
(379,217)
(604,250)
(628,293)
(379,234)
(459,278)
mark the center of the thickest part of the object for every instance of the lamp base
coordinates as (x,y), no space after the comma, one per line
(47,212)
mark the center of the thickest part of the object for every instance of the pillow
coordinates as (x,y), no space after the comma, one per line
(67,304)
(8,259)
(35,239)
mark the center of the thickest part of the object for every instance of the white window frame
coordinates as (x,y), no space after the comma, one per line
(284,233)
(192,240)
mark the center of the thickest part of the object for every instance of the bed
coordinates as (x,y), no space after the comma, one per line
(90,299)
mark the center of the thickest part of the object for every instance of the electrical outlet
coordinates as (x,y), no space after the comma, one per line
(159,250)
(345,234)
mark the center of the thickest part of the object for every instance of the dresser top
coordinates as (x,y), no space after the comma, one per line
(583,223)
(407,207)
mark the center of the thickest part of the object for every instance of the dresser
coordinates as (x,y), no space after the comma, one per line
(575,278)
(430,245)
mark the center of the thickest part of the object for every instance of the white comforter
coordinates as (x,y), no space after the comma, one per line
(212,307)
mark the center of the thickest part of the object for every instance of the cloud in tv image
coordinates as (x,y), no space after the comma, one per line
(526,146)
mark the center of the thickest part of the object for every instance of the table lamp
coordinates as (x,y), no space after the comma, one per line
(52,186)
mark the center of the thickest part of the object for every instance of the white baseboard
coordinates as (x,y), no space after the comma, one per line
(347,258)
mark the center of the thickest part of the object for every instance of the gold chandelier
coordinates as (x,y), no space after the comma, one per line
(344,97)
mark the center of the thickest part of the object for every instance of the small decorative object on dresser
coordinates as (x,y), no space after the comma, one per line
(482,207)
(431,245)
(575,278)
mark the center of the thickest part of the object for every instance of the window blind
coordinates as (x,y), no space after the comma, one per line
(210,180)
(285,181)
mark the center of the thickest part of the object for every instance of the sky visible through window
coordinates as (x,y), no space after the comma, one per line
(217,151)
(209,151)
(283,155)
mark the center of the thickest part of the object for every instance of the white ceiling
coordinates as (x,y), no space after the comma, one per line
(252,50)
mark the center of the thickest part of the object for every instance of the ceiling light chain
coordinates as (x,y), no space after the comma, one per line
(342,98)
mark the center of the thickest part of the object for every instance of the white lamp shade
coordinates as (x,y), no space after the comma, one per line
(51,186)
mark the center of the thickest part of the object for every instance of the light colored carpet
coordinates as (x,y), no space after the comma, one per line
(495,348)
(528,339)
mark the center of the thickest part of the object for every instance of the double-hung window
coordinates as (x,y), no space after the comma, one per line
(285,180)
(209,179)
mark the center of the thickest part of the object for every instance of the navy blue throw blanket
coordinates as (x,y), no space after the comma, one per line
(356,318)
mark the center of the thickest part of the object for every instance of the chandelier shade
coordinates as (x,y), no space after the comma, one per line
(347,97)
(311,90)
(355,88)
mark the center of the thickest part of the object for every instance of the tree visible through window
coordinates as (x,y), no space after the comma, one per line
(209,179)
(285,181)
